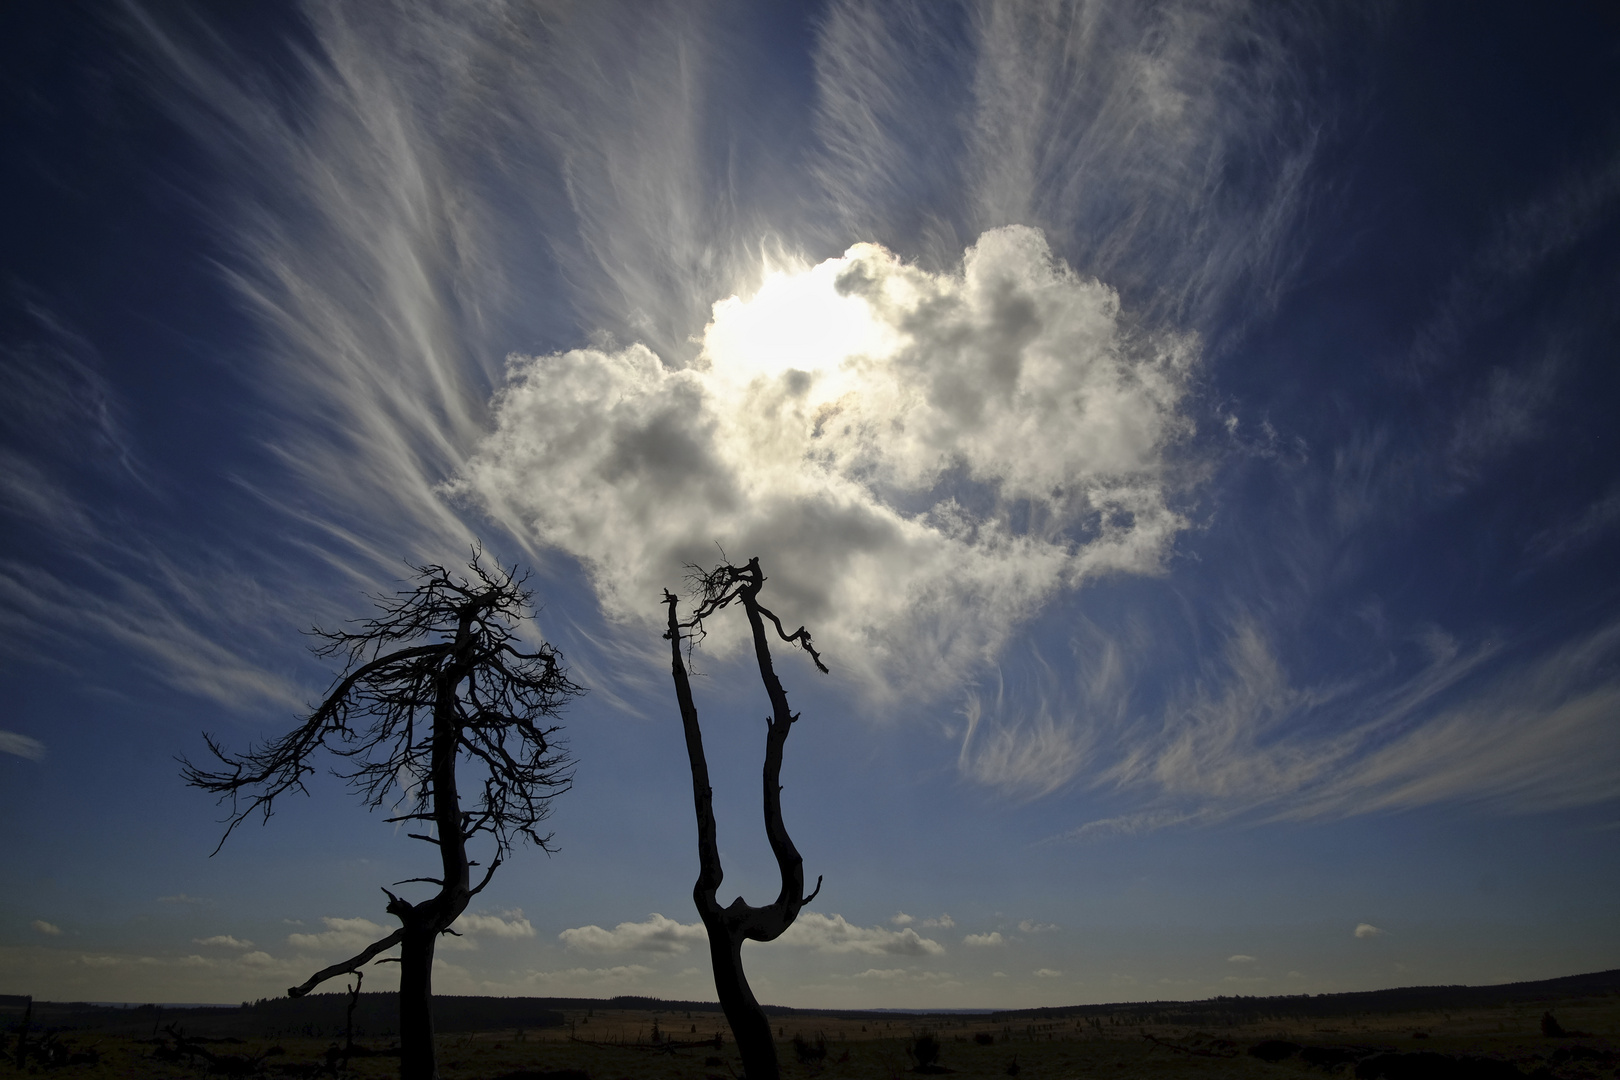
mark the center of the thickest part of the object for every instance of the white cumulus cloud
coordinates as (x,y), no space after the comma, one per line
(224,941)
(1240,958)
(1367,930)
(508,924)
(982,940)
(340,934)
(835,934)
(655,934)
(903,449)
(892,975)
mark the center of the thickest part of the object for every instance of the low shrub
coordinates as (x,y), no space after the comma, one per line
(810,1053)
(924,1050)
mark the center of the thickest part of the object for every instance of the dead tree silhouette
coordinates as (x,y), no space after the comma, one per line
(729,926)
(453,684)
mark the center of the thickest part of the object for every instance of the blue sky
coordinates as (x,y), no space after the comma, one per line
(1186,428)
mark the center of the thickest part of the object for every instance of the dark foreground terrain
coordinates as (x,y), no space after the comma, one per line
(1564,1029)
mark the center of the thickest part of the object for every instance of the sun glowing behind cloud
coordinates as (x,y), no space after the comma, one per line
(920,458)
(800,319)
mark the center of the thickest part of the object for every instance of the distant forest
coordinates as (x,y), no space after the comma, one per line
(376,1015)
(1403,1000)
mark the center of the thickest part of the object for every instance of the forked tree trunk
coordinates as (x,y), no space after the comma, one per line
(728,927)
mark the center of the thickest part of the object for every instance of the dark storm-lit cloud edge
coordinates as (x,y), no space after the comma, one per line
(1067,239)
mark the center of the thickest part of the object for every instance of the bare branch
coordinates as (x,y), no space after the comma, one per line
(349,966)
(487,875)
(800,637)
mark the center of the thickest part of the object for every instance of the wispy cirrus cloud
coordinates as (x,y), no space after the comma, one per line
(24,746)
(1527,236)
(1580,531)
(193,641)
(1526,733)
(73,478)
(1535,736)
(1101,123)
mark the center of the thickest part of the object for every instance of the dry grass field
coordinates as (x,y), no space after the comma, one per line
(618,1044)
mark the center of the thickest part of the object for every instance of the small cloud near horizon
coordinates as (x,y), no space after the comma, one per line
(339,934)
(48,929)
(1240,958)
(656,934)
(981,940)
(835,934)
(225,941)
(1048,973)
(1367,930)
(507,924)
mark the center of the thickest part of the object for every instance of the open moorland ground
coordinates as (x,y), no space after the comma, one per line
(1449,1036)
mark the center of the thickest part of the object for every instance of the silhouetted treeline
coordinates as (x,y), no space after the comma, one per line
(376,1016)
(1243,1010)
